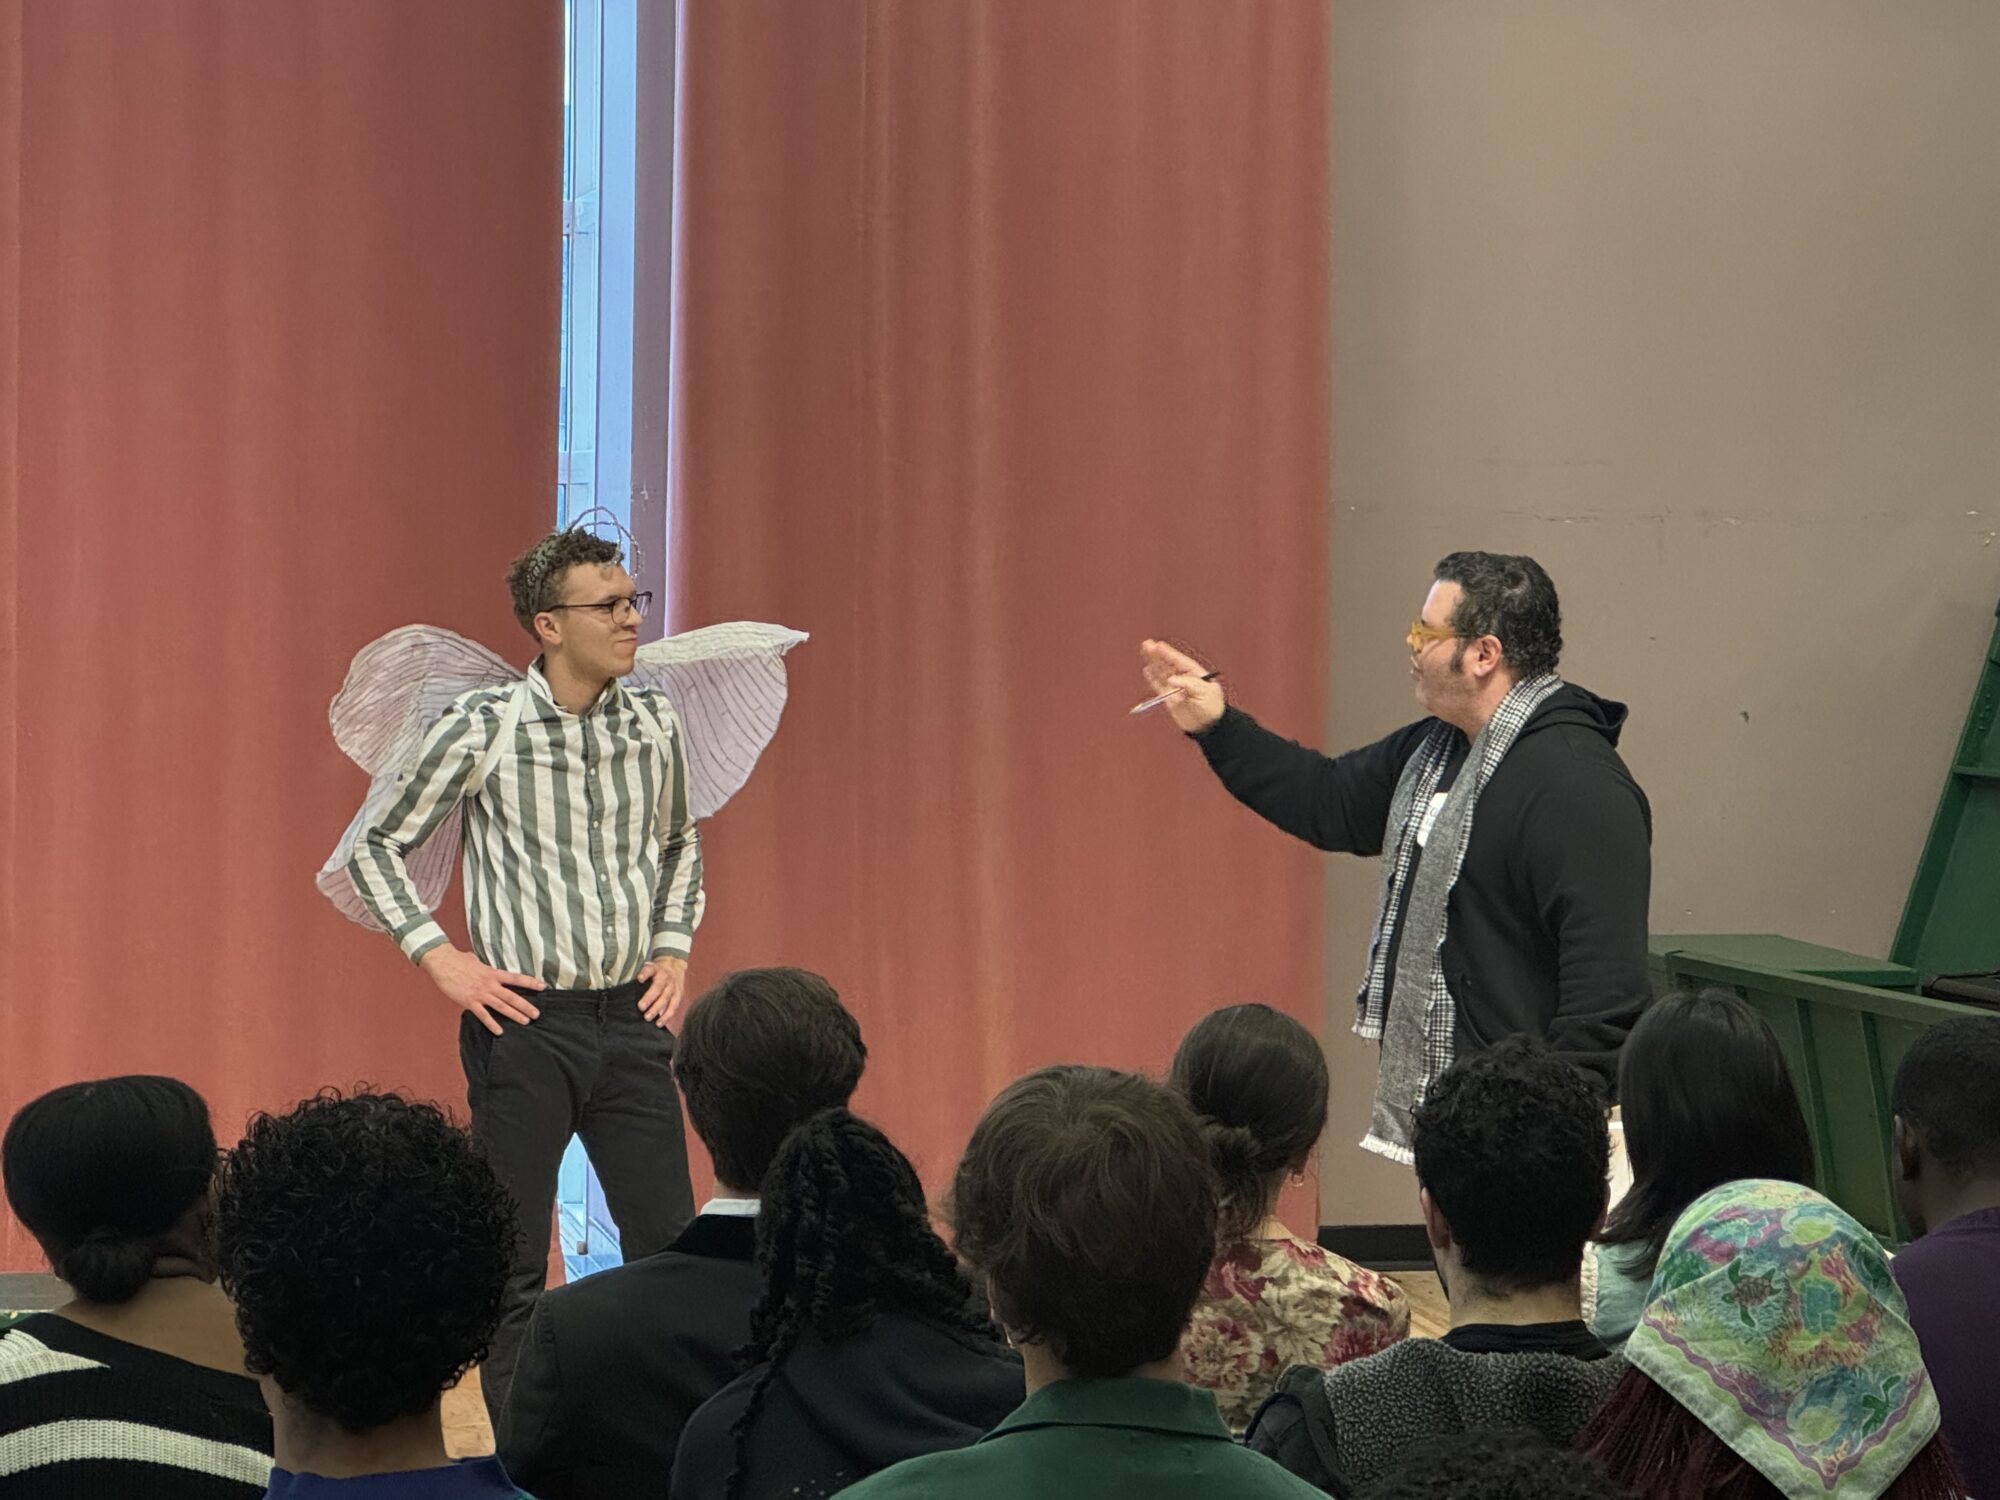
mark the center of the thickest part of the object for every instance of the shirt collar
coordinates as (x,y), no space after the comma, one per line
(538,684)
(732,1208)
(1124,1401)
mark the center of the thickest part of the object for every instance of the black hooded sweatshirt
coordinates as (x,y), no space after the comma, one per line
(1545,934)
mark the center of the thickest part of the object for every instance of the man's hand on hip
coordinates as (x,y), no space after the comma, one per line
(476,987)
(665,979)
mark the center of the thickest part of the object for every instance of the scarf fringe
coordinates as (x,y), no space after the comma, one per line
(1375,1143)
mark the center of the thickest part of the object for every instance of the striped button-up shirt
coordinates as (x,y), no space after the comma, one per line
(582,858)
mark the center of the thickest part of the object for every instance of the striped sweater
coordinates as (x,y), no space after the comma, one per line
(86,1415)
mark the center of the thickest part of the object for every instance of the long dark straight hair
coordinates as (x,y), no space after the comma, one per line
(1707,1099)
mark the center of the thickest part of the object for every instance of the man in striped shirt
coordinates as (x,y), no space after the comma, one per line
(583,889)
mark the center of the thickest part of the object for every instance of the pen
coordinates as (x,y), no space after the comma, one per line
(1171,693)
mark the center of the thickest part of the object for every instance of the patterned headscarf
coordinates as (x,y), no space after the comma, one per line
(1773,1319)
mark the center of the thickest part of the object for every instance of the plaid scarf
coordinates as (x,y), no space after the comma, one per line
(1415,1019)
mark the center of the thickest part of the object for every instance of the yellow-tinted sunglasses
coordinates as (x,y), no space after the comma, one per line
(1421,635)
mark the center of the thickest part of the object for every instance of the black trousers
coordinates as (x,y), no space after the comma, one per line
(591,1066)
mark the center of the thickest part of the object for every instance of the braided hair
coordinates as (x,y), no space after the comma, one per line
(843,1234)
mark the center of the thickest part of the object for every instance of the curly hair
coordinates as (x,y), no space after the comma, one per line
(761,1051)
(1258,1080)
(1511,599)
(842,1234)
(366,1245)
(102,1173)
(1512,1145)
(1087,1200)
(1494,1463)
(535,578)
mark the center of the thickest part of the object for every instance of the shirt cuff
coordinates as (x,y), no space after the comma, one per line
(420,939)
(672,945)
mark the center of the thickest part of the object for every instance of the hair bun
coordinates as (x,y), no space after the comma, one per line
(108,1266)
(1233,1148)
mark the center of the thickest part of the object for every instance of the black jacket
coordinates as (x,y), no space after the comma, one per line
(613,1366)
(836,1413)
(1546,930)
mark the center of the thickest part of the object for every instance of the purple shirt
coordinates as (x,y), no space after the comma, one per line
(1948,1278)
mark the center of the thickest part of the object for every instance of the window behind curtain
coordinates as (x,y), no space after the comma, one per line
(616,216)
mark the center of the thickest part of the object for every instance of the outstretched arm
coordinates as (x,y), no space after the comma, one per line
(1337,803)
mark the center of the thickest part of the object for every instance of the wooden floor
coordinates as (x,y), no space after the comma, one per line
(468,1434)
(1430,1314)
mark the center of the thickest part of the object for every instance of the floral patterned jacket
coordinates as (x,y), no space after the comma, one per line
(1272,1303)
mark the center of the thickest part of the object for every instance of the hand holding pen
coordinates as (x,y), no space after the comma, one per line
(1187,689)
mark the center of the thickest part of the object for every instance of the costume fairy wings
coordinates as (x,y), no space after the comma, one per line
(726,684)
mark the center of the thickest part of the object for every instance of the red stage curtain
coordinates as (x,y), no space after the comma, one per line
(1001,342)
(278,313)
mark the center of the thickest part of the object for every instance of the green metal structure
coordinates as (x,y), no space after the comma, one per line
(1951,922)
(1845,1019)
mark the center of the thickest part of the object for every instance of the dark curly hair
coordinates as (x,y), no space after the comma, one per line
(102,1173)
(1258,1080)
(1494,1463)
(1087,1200)
(535,578)
(1511,599)
(759,1052)
(842,1234)
(366,1243)
(1512,1145)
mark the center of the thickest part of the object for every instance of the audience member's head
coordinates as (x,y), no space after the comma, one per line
(1086,1200)
(112,1178)
(761,1051)
(366,1244)
(1707,1098)
(843,1234)
(1947,1105)
(1494,1463)
(1258,1080)
(1773,1359)
(1511,1154)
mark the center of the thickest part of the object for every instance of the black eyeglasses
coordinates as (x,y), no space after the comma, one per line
(639,604)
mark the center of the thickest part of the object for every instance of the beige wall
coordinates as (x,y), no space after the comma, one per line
(1695,300)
